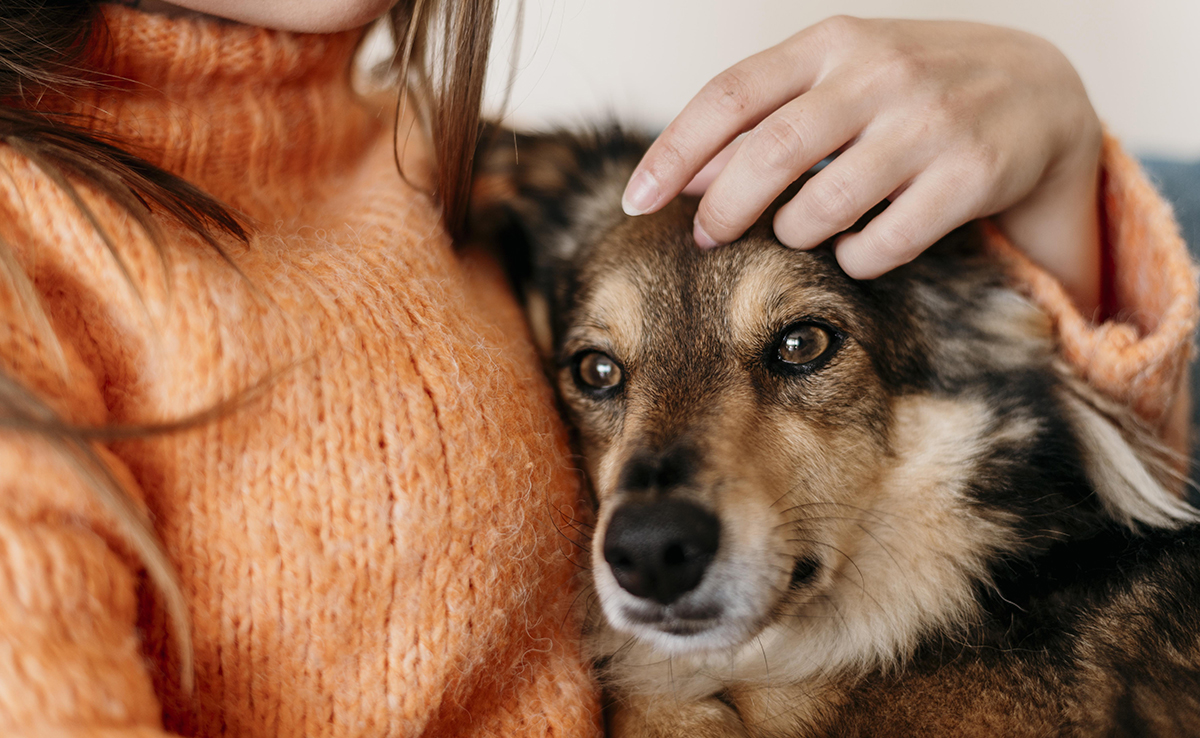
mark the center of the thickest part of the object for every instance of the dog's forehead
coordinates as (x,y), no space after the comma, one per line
(648,271)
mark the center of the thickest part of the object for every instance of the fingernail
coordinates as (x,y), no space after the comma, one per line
(640,194)
(703,240)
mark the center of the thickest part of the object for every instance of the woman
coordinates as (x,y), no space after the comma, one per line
(240,353)
(363,537)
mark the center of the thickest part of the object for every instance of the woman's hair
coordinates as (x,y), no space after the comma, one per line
(45,46)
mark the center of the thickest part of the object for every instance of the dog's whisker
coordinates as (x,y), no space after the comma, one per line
(781,498)
(875,513)
(573,542)
(766,663)
(801,523)
(571,608)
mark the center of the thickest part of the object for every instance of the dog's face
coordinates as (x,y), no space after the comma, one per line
(731,414)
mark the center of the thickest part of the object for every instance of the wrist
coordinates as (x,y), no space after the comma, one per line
(1058,224)
(1058,227)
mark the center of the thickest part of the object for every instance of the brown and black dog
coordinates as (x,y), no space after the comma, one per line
(831,507)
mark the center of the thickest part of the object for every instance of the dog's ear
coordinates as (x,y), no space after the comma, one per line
(552,185)
(541,197)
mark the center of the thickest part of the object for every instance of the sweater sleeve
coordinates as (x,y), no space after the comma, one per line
(69,652)
(70,656)
(1139,355)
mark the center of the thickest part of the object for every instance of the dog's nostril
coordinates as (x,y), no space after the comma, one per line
(660,550)
(621,561)
(674,555)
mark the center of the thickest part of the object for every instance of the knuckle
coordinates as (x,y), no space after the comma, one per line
(668,155)
(718,219)
(941,118)
(904,69)
(953,109)
(776,144)
(730,92)
(671,154)
(830,200)
(975,174)
(982,159)
(899,240)
(841,27)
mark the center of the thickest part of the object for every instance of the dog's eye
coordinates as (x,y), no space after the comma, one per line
(597,371)
(803,344)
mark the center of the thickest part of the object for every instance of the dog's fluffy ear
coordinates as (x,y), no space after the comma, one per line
(557,188)
(540,197)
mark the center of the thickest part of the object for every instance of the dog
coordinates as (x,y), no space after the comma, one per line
(829,507)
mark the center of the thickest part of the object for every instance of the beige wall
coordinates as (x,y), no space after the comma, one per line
(641,60)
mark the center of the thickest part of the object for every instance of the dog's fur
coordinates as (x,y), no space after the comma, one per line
(934,529)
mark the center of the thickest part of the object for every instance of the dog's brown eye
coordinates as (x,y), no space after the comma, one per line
(804,343)
(598,371)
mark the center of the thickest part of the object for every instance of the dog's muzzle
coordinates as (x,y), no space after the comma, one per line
(660,550)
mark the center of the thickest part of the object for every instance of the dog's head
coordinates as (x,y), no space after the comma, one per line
(720,396)
(774,446)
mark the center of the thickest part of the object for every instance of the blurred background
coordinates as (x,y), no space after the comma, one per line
(642,60)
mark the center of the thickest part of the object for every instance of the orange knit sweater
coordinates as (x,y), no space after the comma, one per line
(370,548)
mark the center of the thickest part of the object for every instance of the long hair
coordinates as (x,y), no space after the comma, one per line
(441,55)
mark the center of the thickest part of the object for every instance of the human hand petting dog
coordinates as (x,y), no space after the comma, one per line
(950,121)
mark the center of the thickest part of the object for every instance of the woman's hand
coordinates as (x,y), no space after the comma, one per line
(951,121)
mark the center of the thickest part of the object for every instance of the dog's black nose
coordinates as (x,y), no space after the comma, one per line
(659,550)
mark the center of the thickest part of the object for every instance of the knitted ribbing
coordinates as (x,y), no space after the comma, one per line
(370,546)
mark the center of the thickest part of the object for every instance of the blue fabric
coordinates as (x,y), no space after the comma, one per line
(1179,182)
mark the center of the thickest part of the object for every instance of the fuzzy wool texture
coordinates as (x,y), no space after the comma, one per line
(370,545)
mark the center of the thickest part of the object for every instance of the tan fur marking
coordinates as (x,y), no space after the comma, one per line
(758,288)
(615,311)
(538,310)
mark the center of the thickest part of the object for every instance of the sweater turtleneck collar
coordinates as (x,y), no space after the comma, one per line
(245,113)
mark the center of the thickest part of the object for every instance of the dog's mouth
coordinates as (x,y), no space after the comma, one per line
(681,628)
(724,611)
(663,620)
(678,620)
(671,576)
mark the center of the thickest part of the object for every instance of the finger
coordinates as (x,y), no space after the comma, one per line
(773,155)
(705,176)
(731,103)
(931,207)
(863,176)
